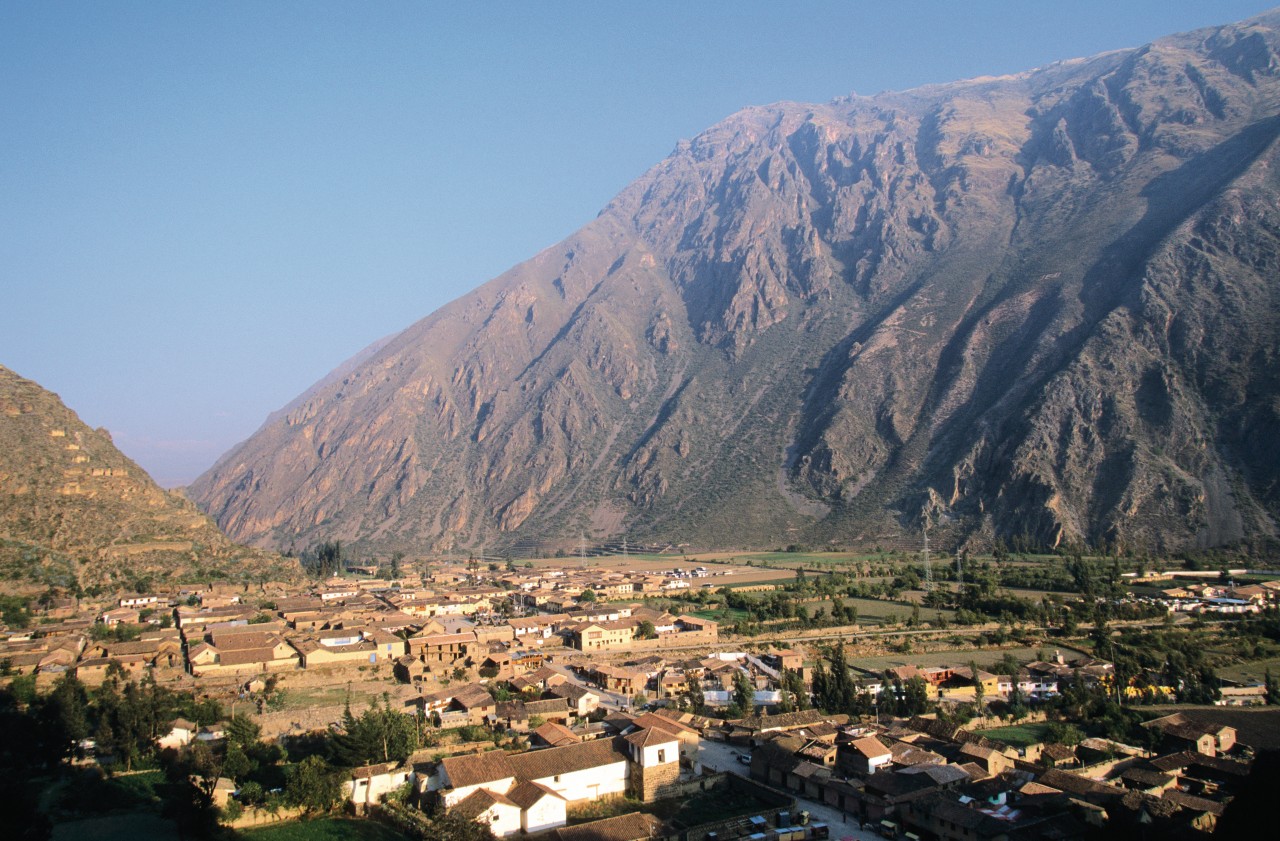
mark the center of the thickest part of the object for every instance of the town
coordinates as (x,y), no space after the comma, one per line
(590,700)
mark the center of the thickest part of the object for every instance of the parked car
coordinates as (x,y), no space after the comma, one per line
(744,758)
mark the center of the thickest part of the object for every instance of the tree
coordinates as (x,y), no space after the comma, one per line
(587,596)
(1272,689)
(979,691)
(381,734)
(64,716)
(243,731)
(252,793)
(313,786)
(744,693)
(1063,734)
(792,683)
(451,826)
(834,691)
(232,811)
(646,631)
(237,765)
(1008,665)
(14,611)
(693,692)
(915,696)
(323,559)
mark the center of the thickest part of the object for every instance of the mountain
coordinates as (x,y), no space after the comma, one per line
(74,510)
(1039,307)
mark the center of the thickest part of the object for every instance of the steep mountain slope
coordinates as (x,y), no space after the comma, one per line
(1037,306)
(75,510)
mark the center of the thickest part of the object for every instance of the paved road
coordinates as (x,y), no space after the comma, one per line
(719,756)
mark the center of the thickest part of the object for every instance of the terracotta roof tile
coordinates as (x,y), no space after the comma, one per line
(478,768)
(541,764)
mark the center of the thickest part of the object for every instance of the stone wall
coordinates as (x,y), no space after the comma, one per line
(772,800)
(655,782)
(276,724)
(679,640)
(260,817)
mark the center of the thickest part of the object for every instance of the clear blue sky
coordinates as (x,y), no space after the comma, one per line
(205,207)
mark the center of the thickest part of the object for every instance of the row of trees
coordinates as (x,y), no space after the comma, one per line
(325,558)
(836,691)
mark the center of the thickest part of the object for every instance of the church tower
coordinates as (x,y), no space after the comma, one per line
(655,762)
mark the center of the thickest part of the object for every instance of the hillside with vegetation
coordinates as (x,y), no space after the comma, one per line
(76,513)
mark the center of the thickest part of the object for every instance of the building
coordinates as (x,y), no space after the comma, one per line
(866,755)
(368,784)
(602,636)
(530,791)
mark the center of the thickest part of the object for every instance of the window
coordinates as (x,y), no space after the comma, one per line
(662,756)
(557,779)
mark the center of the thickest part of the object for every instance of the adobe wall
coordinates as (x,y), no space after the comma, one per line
(679,640)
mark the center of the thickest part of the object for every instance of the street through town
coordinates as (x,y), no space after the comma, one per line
(719,756)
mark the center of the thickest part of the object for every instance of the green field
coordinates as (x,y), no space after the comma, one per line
(805,558)
(724,615)
(983,656)
(91,794)
(137,788)
(1251,671)
(877,611)
(323,829)
(130,826)
(1018,735)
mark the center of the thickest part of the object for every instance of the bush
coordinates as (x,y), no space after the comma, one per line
(1063,734)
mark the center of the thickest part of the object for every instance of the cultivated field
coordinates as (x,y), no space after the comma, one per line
(1018,735)
(983,656)
(1254,670)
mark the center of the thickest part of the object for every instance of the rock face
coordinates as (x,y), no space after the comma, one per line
(1039,306)
(74,510)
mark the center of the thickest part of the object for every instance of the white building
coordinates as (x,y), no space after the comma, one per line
(531,791)
(368,784)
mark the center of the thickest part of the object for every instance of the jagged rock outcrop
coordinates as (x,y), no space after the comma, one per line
(1041,305)
(75,511)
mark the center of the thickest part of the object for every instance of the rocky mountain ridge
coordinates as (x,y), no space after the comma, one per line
(76,512)
(1038,307)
